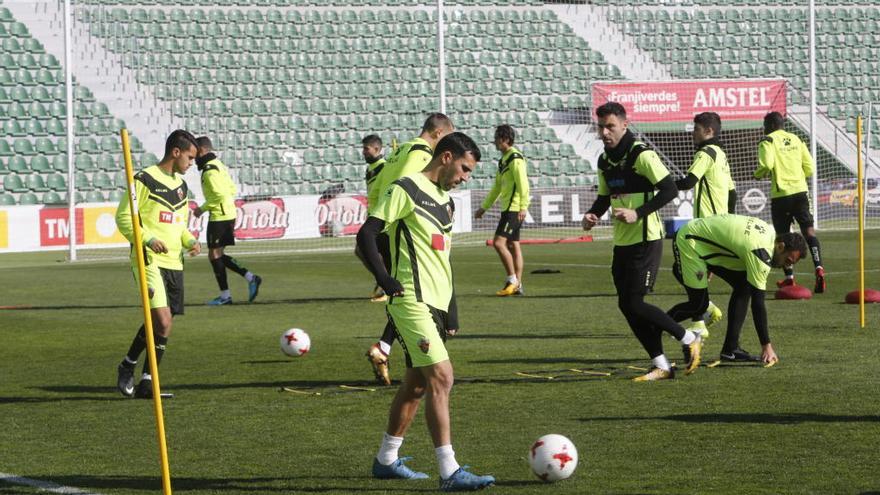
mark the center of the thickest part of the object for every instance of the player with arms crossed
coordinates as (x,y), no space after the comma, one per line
(417,213)
(741,250)
(164,213)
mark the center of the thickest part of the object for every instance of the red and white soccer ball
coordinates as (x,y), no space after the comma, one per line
(295,342)
(553,458)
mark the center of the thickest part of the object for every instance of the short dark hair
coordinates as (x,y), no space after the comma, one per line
(505,132)
(773,121)
(436,121)
(204,142)
(458,143)
(793,241)
(181,140)
(611,108)
(372,140)
(709,120)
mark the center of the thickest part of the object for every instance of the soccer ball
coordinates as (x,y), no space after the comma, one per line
(295,342)
(553,458)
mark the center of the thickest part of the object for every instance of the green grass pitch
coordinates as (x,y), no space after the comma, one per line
(808,425)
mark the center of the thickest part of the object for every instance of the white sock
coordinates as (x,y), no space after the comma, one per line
(446,459)
(129,361)
(661,362)
(385,347)
(146,376)
(249,276)
(689,337)
(790,276)
(388,450)
(224,294)
(512,279)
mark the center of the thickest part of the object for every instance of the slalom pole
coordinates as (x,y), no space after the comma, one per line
(861,207)
(148,320)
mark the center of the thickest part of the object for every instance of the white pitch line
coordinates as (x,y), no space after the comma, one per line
(46,486)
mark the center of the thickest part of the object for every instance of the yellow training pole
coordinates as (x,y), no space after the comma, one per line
(148,321)
(861,206)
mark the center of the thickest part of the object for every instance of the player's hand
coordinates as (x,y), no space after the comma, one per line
(197,212)
(768,356)
(195,249)
(522,215)
(391,286)
(157,246)
(590,220)
(450,332)
(626,215)
(479,213)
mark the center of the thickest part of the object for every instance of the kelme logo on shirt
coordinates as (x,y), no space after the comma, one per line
(166,217)
(424,345)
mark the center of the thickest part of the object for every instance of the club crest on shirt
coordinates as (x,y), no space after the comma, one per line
(424,345)
(180,194)
(700,275)
(450,211)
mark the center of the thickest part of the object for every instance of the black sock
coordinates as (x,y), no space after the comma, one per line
(220,273)
(138,344)
(813,242)
(390,333)
(233,265)
(161,342)
(788,270)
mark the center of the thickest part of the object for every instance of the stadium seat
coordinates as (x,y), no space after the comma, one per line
(13,183)
(28,198)
(95,196)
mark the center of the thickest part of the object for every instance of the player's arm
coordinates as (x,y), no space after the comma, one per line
(123,216)
(806,160)
(650,166)
(452,323)
(766,158)
(366,242)
(521,183)
(490,198)
(189,241)
(211,185)
(600,205)
(698,169)
(731,201)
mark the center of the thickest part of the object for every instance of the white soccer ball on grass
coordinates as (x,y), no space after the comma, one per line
(553,458)
(295,342)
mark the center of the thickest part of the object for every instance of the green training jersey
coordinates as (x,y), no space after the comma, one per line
(418,219)
(372,174)
(784,158)
(735,242)
(219,190)
(164,212)
(630,183)
(409,158)
(511,183)
(714,183)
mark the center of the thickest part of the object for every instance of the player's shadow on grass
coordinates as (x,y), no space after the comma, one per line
(526,335)
(758,418)
(44,400)
(305,484)
(558,360)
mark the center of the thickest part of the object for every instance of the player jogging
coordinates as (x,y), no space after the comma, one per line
(220,191)
(741,250)
(164,213)
(371,149)
(417,213)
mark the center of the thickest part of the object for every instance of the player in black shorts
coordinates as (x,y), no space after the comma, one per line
(785,159)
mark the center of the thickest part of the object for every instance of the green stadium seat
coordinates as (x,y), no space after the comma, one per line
(56,182)
(28,198)
(13,183)
(36,183)
(95,196)
(41,164)
(6,199)
(18,164)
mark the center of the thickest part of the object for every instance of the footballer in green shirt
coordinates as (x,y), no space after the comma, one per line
(163,207)
(636,184)
(512,188)
(371,150)
(417,213)
(220,191)
(741,250)
(786,161)
(409,158)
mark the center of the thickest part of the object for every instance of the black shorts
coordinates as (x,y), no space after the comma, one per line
(221,233)
(508,226)
(173,282)
(634,268)
(786,208)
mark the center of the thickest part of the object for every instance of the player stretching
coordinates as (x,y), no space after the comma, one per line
(164,212)
(417,212)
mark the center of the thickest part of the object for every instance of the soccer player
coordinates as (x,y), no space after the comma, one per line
(220,190)
(785,159)
(371,149)
(409,158)
(741,250)
(512,185)
(710,174)
(418,213)
(164,214)
(635,183)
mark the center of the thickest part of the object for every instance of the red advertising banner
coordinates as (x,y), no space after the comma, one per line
(55,226)
(679,101)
